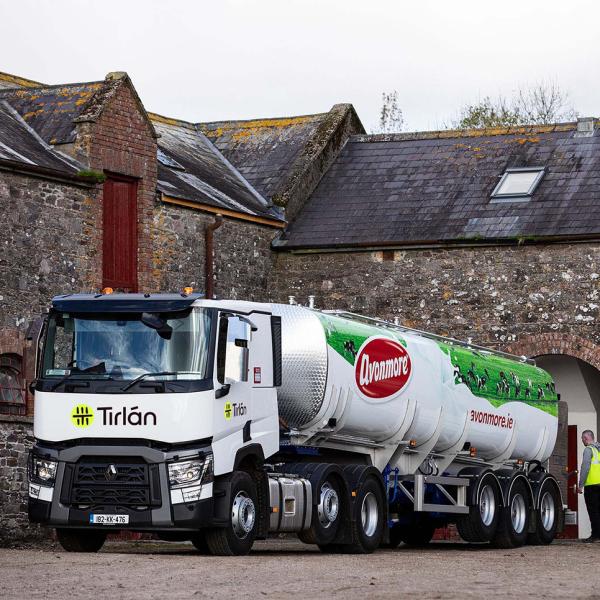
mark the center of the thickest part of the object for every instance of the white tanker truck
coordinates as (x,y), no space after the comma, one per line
(221,422)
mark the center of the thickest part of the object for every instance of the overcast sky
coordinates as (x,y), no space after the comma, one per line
(233,59)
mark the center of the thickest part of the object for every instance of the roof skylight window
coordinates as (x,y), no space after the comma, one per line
(518,183)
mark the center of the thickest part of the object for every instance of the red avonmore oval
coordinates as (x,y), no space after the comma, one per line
(382,368)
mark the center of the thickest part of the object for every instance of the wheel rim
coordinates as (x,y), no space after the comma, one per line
(243,515)
(329,505)
(369,514)
(547,511)
(487,505)
(518,512)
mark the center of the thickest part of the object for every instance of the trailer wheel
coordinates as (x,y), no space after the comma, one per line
(238,536)
(369,514)
(513,524)
(77,540)
(482,521)
(546,516)
(326,515)
(419,533)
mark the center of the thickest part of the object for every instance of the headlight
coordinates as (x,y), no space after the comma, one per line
(42,470)
(189,472)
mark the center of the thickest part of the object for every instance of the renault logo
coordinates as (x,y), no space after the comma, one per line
(110,473)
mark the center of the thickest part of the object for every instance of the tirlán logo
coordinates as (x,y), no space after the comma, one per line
(382,368)
(82,415)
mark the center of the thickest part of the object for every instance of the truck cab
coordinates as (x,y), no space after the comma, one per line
(141,401)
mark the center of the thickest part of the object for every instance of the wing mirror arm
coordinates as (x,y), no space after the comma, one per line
(222,391)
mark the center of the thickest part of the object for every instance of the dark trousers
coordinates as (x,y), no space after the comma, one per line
(591,494)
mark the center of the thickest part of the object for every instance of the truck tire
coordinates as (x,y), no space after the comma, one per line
(481,523)
(238,536)
(326,514)
(513,524)
(77,540)
(546,515)
(419,533)
(368,519)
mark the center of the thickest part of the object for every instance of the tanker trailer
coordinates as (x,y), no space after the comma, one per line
(460,433)
(222,422)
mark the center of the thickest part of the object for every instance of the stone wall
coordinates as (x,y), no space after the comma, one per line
(44,234)
(16,439)
(494,295)
(242,254)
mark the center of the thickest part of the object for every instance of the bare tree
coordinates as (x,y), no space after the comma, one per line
(538,105)
(391,119)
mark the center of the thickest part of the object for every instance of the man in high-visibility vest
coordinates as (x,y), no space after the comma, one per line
(589,482)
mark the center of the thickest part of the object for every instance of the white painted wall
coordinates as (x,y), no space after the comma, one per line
(574,390)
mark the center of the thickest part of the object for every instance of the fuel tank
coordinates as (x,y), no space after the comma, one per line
(379,380)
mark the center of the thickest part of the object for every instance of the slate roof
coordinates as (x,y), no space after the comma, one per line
(20,144)
(51,110)
(263,150)
(190,167)
(435,187)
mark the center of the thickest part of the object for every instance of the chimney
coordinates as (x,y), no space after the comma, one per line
(585,126)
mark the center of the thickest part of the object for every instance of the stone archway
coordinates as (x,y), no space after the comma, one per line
(574,363)
(557,343)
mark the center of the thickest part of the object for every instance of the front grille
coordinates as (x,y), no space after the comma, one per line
(96,473)
(94,482)
(110,496)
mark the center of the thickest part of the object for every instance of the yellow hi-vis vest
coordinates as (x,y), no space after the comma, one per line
(593,477)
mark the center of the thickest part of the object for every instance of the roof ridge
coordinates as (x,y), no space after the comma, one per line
(171,121)
(259,120)
(48,87)
(18,80)
(465,133)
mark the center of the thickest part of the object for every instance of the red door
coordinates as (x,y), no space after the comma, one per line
(119,242)
(571,531)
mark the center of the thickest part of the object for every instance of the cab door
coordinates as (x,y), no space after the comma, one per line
(245,399)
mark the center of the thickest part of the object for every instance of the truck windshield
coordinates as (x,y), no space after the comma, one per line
(126,346)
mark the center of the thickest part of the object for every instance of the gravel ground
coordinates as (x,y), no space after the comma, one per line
(278,568)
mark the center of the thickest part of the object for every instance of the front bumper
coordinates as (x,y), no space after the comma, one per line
(149,502)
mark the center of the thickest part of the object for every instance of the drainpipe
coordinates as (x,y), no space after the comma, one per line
(209,255)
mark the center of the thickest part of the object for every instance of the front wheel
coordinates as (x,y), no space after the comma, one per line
(238,536)
(78,540)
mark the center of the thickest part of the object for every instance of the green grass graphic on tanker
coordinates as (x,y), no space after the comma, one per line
(346,336)
(500,380)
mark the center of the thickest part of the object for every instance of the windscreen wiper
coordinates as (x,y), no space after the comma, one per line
(99,368)
(156,374)
(144,375)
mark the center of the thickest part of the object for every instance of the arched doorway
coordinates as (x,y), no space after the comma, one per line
(574,362)
(578,384)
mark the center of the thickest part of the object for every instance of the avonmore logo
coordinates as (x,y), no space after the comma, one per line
(382,368)
(486,418)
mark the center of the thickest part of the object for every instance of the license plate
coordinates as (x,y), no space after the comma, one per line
(109,519)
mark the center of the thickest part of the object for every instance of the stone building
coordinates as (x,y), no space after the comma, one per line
(486,235)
